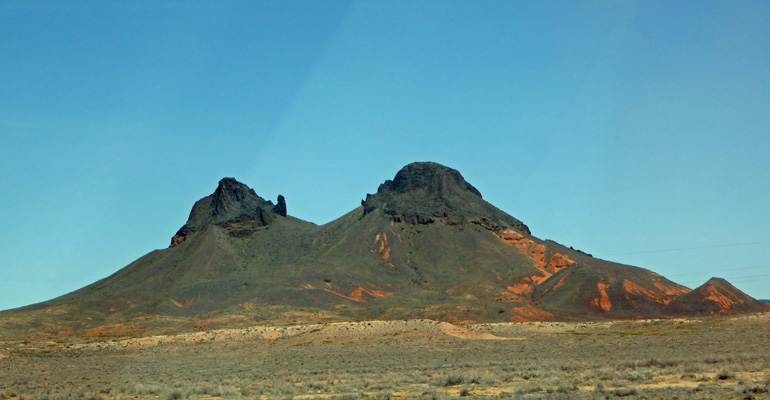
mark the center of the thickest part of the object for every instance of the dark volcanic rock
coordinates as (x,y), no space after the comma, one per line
(232,201)
(425,192)
(429,176)
(280,208)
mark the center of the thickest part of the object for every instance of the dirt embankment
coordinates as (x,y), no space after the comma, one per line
(321,333)
(341,330)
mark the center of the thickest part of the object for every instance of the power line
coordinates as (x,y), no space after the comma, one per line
(750,277)
(756,278)
(734,277)
(721,270)
(714,246)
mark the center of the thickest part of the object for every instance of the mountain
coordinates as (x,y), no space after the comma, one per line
(425,245)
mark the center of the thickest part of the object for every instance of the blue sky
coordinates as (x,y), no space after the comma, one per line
(636,131)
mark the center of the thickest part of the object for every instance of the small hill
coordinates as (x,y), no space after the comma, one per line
(717,296)
(425,245)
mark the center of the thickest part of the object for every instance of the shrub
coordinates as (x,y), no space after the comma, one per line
(143,389)
(474,379)
(747,389)
(530,389)
(564,388)
(623,392)
(725,375)
(176,394)
(433,395)
(449,380)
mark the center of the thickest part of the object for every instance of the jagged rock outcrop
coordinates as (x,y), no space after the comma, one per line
(424,192)
(280,207)
(232,202)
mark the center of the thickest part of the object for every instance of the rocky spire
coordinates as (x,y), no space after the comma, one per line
(280,208)
(232,200)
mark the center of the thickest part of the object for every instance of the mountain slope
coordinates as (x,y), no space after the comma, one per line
(426,245)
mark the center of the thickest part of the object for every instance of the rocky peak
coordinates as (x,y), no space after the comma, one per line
(431,177)
(231,193)
(231,201)
(230,187)
(426,192)
(714,281)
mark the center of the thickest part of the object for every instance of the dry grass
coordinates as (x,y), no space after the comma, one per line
(714,358)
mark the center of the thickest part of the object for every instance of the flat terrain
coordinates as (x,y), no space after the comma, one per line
(711,358)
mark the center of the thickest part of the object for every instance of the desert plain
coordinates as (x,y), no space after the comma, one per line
(722,357)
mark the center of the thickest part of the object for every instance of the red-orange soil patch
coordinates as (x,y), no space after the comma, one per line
(529,313)
(526,246)
(381,245)
(603,301)
(723,301)
(633,288)
(672,290)
(561,282)
(186,303)
(536,252)
(559,261)
(358,293)
(397,235)
(521,288)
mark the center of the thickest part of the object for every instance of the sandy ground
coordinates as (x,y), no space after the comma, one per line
(329,331)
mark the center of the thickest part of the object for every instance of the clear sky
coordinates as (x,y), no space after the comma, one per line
(635,131)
